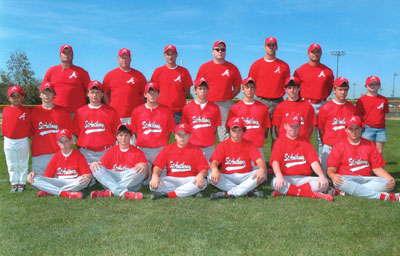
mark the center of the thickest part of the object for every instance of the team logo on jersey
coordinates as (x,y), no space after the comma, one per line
(64,173)
(226,73)
(361,164)
(278,70)
(120,168)
(179,167)
(322,74)
(234,164)
(131,81)
(381,106)
(298,160)
(151,127)
(73,75)
(178,79)
(338,124)
(200,122)
(251,123)
(94,127)
(49,127)
(22,116)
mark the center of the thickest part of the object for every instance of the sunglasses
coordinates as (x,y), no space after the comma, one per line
(219,49)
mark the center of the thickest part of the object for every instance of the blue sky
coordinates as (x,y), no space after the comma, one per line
(369,32)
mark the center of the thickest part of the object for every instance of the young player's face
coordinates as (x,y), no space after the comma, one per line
(315,55)
(292,92)
(46,96)
(124,139)
(170,56)
(292,130)
(15,99)
(354,133)
(66,55)
(124,61)
(65,144)
(219,52)
(182,138)
(340,93)
(201,92)
(95,96)
(271,48)
(249,90)
(152,96)
(236,134)
(373,87)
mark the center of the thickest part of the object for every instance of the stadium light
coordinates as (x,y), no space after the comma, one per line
(337,54)
(394,81)
(354,91)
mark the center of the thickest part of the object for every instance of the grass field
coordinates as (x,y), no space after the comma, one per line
(245,226)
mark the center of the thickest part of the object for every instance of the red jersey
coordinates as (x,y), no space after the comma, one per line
(203,121)
(16,122)
(181,162)
(316,82)
(172,82)
(152,125)
(67,167)
(235,157)
(44,127)
(70,85)
(294,156)
(121,160)
(126,90)
(256,119)
(372,110)
(306,112)
(270,77)
(220,78)
(332,120)
(355,160)
(96,126)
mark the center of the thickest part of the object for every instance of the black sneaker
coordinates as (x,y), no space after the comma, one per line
(159,195)
(256,193)
(14,189)
(218,195)
(21,188)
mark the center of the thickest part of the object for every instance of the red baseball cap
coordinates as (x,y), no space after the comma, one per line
(66,46)
(354,120)
(292,118)
(183,127)
(295,80)
(313,46)
(151,85)
(15,88)
(170,47)
(238,121)
(46,85)
(219,42)
(271,40)
(124,51)
(247,80)
(63,132)
(372,79)
(340,81)
(200,81)
(96,84)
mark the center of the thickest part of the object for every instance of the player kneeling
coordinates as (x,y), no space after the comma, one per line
(351,161)
(292,158)
(186,168)
(122,169)
(67,172)
(235,155)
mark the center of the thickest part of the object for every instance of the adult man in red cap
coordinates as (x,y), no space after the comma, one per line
(69,81)
(223,80)
(174,81)
(270,73)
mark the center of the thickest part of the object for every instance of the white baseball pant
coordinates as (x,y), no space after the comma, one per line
(208,151)
(224,107)
(150,154)
(369,187)
(55,186)
(183,186)
(92,156)
(119,182)
(236,184)
(17,159)
(316,107)
(326,150)
(297,180)
(39,163)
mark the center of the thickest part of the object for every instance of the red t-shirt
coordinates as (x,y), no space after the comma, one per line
(372,110)
(307,115)
(203,121)
(96,126)
(67,167)
(332,120)
(270,77)
(316,82)
(220,78)
(117,160)
(44,127)
(70,85)
(181,162)
(152,125)
(355,160)
(235,157)
(16,122)
(294,156)
(256,120)
(172,82)
(126,89)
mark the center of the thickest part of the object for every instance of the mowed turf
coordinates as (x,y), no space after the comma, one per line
(245,226)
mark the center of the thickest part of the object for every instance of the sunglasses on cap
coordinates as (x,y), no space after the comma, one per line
(219,49)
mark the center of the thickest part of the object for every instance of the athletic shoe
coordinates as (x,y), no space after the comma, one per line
(334,191)
(323,196)
(42,193)
(397,197)
(256,193)
(74,195)
(21,188)
(198,195)
(100,193)
(14,189)
(276,193)
(132,195)
(159,195)
(219,195)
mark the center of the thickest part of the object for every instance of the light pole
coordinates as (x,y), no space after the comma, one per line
(337,54)
(354,91)
(394,81)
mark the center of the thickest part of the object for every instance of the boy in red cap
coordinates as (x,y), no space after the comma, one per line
(16,130)
(372,107)
(67,173)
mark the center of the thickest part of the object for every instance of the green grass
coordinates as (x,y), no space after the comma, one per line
(245,226)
